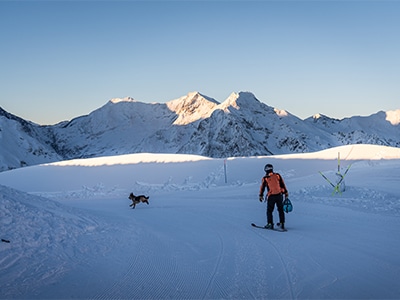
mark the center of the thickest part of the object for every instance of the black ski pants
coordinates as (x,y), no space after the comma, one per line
(271,201)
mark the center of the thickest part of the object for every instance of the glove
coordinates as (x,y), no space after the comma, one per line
(286,196)
(261,198)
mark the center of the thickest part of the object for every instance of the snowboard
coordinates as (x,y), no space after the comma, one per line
(275,229)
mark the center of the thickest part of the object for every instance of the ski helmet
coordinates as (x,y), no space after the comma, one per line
(268,168)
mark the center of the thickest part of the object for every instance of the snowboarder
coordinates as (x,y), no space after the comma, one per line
(276,188)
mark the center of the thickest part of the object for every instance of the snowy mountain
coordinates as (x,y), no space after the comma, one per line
(23,143)
(192,124)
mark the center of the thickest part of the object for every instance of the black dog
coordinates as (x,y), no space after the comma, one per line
(138,199)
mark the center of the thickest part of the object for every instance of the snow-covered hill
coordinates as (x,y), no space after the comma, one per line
(192,124)
(73,235)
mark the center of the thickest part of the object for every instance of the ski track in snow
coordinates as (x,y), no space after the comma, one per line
(204,278)
(283,263)
(136,277)
(206,282)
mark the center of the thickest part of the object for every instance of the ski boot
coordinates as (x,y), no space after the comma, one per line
(269,226)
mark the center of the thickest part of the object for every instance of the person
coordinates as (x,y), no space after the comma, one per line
(276,188)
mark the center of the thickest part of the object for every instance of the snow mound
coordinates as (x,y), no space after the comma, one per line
(136,158)
(350,152)
(44,235)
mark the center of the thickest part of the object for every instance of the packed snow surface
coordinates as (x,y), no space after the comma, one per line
(72,233)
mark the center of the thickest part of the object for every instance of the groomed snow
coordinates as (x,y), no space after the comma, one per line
(73,235)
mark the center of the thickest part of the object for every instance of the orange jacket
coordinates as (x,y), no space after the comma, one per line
(274,184)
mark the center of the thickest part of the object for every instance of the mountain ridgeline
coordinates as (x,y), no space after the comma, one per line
(192,124)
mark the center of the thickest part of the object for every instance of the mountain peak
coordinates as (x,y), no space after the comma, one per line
(192,107)
(393,116)
(319,116)
(118,100)
(241,99)
(322,118)
(281,112)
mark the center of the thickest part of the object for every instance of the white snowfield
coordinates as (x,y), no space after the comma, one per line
(72,233)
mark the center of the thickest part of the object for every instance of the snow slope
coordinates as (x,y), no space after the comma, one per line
(73,235)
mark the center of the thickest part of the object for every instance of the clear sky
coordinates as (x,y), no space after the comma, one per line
(64,59)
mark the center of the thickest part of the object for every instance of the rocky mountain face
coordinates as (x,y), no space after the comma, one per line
(192,124)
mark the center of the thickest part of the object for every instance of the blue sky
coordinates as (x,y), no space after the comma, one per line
(63,59)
